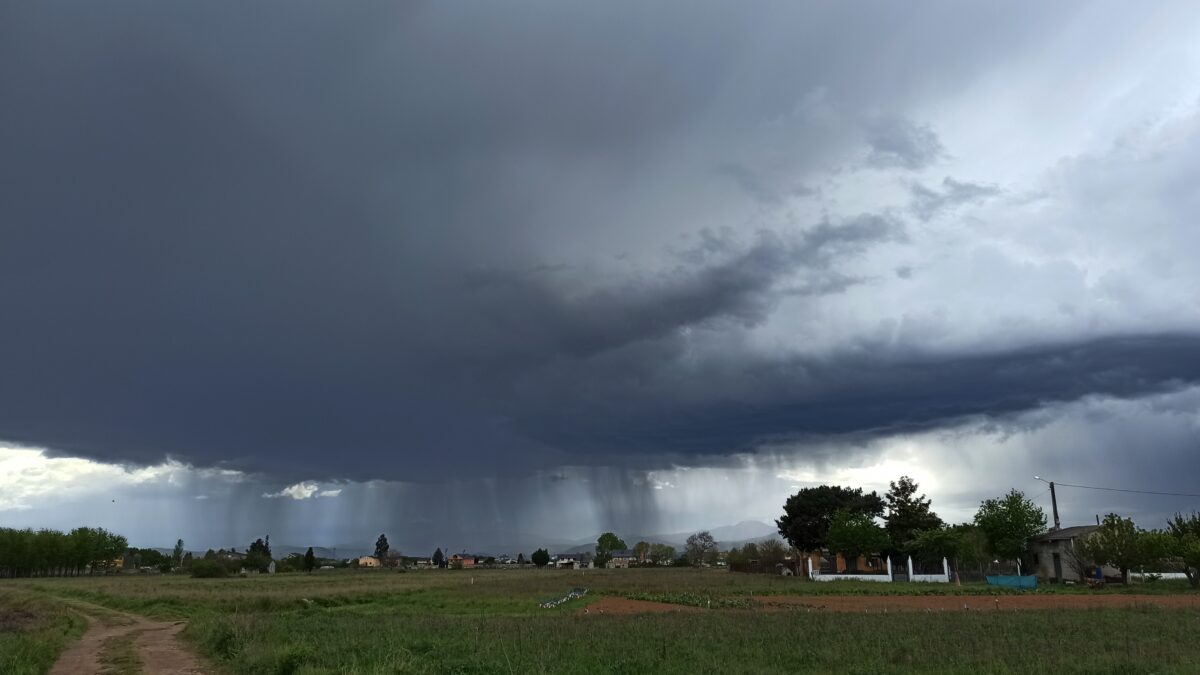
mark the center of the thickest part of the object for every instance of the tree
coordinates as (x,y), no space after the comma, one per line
(959,544)
(746,555)
(770,552)
(1009,522)
(381,548)
(258,555)
(520,559)
(187,561)
(807,514)
(439,558)
(310,560)
(855,534)
(210,554)
(208,568)
(1121,544)
(931,545)
(605,545)
(701,547)
(661,553)
(540,557)
(907,513)
(1185,531)
(177,554)
(641,551)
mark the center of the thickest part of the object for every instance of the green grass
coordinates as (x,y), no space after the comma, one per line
(1111,641)
(489,621)
(33,630)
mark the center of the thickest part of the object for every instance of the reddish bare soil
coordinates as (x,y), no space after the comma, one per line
(612,605)
(959,603)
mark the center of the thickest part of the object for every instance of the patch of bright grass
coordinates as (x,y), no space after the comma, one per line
(33,632)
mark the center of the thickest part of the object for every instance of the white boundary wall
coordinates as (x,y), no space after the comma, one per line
(1161,575)
(816,575)
(943,578)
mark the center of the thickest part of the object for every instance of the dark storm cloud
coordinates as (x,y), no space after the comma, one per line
(346,243)
(866,393)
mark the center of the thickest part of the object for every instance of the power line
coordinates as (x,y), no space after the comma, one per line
(1140,492)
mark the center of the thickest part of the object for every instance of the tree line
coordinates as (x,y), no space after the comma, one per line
(845,520)
(50,553)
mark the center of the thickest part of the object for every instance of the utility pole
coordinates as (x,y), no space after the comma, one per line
(1053,502)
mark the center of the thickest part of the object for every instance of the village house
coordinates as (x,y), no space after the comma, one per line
(462,561)
(621,559)
(1054,556)
(573,561)
(368,561)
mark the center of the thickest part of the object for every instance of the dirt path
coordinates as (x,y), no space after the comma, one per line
(960,603)
(156,646)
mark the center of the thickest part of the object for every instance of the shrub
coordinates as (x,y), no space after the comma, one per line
(208,569)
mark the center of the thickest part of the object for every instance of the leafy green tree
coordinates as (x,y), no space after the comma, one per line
(745,555)
(641,550)
(1185,530)
(520,559)
(1009,522)
(771,552)
(207,568)
(661,553)
(540,557)
(310,560)
(439,558)
(855,534)
(258,555)
(907,513)
(1121,544)
(186,563)
(701,547)
(605,545)
(808,513)
(381,548)
(177,554)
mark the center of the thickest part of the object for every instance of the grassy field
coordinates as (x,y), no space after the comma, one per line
(490,621)
(33,630)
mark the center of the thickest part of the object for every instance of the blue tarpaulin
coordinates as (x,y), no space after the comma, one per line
(1012,581)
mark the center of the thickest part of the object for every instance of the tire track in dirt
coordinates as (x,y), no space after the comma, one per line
(157,644)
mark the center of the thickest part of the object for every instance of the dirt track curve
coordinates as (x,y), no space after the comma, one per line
(156,644)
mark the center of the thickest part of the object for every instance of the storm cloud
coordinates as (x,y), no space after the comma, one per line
(427,243)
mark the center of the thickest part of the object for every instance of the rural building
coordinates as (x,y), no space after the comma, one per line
(462,561)
(621,559)
(368,561)
(1054,555)
(573,561)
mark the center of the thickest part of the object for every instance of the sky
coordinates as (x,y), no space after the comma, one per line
(507,275)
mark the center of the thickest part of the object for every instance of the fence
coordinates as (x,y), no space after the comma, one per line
(943,578)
